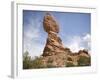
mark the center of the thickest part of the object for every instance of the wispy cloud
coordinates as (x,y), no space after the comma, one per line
(77,43)
(32,38)
(33,48)
(32,29)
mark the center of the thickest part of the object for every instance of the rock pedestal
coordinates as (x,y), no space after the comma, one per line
(54,43)
(54,53)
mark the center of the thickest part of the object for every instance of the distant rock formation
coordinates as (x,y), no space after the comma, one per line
(74,57)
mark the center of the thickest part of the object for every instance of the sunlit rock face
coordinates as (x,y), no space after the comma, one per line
(54,53)
(54,43)
(50,24)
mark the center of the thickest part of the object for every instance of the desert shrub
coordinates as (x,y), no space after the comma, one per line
(27,63)
(50,65)
(84,61)
(37,63)
(69,64)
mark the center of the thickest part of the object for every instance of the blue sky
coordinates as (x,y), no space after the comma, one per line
(74,30)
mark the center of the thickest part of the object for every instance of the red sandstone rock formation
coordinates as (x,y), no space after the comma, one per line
(54,43)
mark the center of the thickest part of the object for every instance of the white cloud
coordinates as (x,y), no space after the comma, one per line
(31,38)
(33,29)
(87,39)
(77,43)
(33,48)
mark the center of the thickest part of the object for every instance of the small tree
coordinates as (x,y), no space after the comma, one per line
(84,61)
(27,62)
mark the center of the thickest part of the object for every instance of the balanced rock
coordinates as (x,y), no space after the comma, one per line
(50,24)
(54,53)
(54,43)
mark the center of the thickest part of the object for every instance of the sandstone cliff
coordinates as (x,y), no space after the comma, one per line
(54,53)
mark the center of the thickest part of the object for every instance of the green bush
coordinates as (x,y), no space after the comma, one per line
(27,63)
(50,65)
(84,61)
(37,63)
(69,64)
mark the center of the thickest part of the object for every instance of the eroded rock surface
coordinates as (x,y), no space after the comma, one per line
(54,53)
(54,43)
(50,24)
